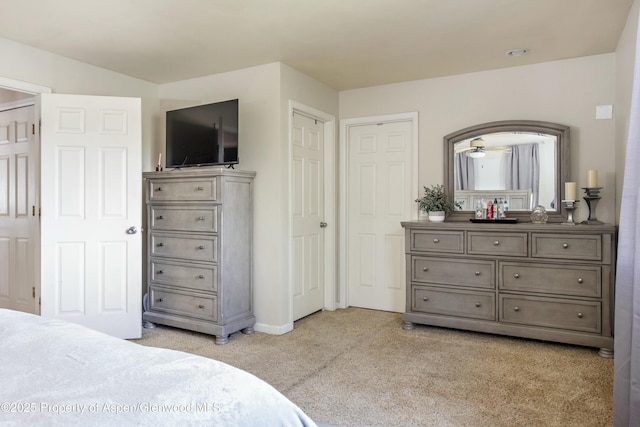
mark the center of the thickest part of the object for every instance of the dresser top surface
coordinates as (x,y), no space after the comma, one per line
(510,227)
(201,172)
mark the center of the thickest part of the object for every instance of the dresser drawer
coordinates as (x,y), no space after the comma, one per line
(575,280)
(459,272)
(182,189)
(198,219)
(453,302)
(486,243)
(556,313)
(184,275)
(183,303)
(566,246)
(196,248)
(437,241)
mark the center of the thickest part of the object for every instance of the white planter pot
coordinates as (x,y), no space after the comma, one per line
(436,216)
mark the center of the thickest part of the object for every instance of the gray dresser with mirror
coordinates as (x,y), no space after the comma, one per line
(553,281)
(199,250)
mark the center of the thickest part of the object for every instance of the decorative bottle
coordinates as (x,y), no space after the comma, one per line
(479,211)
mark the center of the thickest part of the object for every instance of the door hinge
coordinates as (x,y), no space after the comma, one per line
(33,291)
(33,210)
(33,129)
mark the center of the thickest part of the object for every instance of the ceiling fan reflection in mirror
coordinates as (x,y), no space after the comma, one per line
(478,148)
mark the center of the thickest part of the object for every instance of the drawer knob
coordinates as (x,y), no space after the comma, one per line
(160,300)
(478,304)
(200,247)
(425,269)
(159,189)
(425,298)
(200,218)
(436,240)
(565,245)
(580,316)
(200,306)
(477,273)
(496,243)
(160,272)
(160,217)
(201,277)
(199,188)
(516,308)
(160,244)
(516,276)
(580,280)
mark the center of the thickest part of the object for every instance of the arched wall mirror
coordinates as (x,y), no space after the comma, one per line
(524,162)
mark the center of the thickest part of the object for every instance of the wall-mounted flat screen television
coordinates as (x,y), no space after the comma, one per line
(203,135)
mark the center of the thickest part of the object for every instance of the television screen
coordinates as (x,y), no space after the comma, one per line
(203,135)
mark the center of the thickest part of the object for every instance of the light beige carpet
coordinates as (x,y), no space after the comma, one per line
(358,367)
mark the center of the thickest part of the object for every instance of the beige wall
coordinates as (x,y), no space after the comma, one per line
(565,92)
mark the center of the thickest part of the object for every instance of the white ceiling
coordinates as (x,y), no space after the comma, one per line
(344,43)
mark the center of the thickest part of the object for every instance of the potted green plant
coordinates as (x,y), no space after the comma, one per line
(435,203)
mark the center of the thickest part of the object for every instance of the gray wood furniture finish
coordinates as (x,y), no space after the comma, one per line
(199,254)
(551,282)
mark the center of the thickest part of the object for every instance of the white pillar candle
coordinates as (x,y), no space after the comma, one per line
(570,191)
(592,178)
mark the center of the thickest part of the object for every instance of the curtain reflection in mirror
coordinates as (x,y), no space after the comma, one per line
(523,170)
(464,172)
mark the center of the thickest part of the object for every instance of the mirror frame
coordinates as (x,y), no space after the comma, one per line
(561,132)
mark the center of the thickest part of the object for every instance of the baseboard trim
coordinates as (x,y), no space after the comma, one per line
(273,329)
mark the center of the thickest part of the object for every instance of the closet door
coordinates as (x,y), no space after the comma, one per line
(18,216)
(91,245)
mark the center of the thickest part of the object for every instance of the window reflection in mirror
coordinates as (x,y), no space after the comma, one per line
(517,167)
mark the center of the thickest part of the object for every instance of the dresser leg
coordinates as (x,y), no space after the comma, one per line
(407,326)
(248,331)
(607,353)
(222,339)
(149,325)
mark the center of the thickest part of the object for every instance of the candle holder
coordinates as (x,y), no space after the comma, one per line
(569,205)
(592,196)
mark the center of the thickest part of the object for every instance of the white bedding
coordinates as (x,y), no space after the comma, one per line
(57,373)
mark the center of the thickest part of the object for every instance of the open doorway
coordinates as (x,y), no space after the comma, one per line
(19,234)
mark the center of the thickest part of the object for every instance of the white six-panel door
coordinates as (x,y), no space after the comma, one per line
(379,198)
(18,217)
(308,214)
(91,212)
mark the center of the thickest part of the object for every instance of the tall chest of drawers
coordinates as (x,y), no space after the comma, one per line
(199,250)
(551,282)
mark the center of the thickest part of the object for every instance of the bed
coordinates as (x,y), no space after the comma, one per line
(54,372)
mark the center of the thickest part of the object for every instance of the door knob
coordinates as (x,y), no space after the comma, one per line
(323,224)
(132,230)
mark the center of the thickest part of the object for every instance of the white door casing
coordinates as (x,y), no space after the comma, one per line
(18,216)
(307,193)
(91,257)
(378,191)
